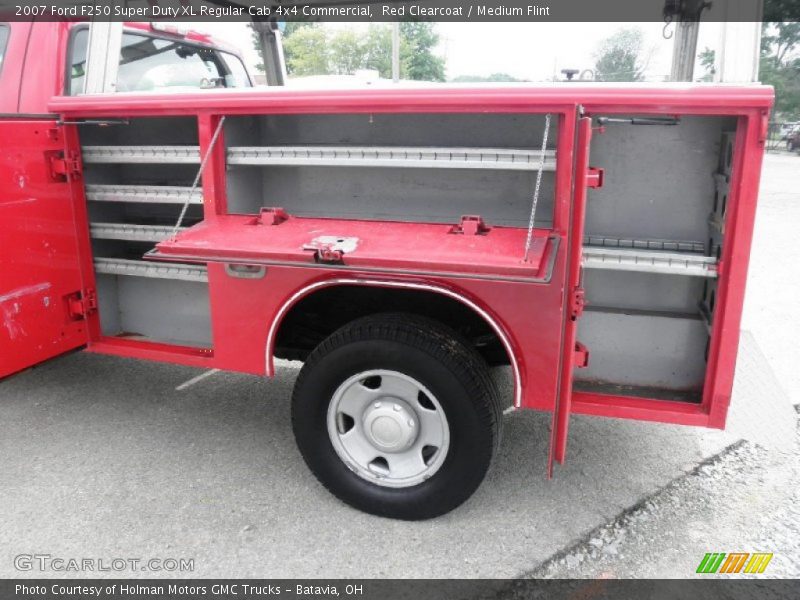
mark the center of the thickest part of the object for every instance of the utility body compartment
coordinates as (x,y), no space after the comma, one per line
(620,295)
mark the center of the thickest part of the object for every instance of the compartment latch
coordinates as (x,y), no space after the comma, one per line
(594,177)
(80,305)
(581,360)
(330,249)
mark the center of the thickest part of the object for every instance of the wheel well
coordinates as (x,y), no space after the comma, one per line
(319,314)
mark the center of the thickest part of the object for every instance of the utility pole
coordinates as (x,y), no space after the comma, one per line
(684,48)
(271,51)
(739,47)
(396,51)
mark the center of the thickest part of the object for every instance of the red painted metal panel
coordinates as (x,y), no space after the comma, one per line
(641,409)
(39,261)
(700,99)
(560,422)
(143,350)
(739,221)
(377,245)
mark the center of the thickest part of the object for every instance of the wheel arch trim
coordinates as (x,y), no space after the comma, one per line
(302,292)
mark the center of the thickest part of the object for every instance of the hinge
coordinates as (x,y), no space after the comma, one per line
(594,177)
(81,305)
(64,167)
(581,359)
(576,303)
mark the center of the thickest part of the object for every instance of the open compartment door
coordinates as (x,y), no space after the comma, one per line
(42,299)
(573,354)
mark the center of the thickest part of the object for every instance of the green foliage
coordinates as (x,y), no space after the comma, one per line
(307,52)
(312,49)
(619,57)
(484,78)
(707,58)
(417,60)
(780,66)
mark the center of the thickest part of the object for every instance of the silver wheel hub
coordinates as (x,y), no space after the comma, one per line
(388,428)
(391,425)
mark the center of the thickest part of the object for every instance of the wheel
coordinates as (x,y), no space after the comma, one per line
(397,416)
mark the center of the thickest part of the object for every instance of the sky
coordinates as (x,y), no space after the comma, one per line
(531,51)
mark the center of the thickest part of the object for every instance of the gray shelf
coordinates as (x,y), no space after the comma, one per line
(133,233)
(141,154)
(142,268)
(144,194)
(387,156)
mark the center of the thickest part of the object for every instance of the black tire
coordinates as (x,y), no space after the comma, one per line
(438,358)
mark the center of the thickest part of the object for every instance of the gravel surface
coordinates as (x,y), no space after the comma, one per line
(748,498)
(745,500)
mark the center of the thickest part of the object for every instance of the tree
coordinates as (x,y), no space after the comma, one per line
(289,28)
(484,78)
(418,62)
(619,57)
(780,66)
(347,52)
(306,52)
(707,59)
(312,49)
(378,50)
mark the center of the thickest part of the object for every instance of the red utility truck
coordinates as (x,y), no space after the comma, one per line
(400,242)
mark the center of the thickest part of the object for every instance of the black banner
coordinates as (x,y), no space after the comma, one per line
(395,589)
(479,11)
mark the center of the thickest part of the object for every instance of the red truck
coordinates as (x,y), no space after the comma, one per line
(400,242)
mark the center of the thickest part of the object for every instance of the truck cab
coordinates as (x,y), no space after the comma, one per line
(44,59)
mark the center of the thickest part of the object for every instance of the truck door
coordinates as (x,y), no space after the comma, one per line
(573,353)
(42,298)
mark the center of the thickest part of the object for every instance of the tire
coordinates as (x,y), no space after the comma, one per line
(400,375)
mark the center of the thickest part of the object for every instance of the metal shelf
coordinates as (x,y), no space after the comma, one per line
(145,194)
(333,156)
(648,256)
(634,244)
(141,154)
(372,156)
(141,268)
(134,233)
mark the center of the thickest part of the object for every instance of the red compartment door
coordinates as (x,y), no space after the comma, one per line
(573,301)
(40,279)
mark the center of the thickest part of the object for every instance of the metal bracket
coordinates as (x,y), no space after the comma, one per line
(80,305)
(577,302)
(272,216)
(64,167)
(471,225)
(594,177)
(581,360)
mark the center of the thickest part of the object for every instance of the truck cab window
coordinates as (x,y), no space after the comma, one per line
(3,40)
(152,63)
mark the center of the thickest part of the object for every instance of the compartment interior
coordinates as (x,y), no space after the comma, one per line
(134,201)
(653,240)
(346,166)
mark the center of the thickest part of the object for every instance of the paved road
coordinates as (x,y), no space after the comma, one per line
(102,457)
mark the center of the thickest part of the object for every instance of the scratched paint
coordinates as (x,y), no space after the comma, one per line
(10,308)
